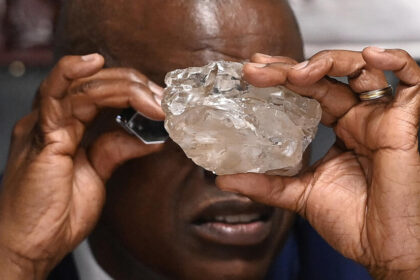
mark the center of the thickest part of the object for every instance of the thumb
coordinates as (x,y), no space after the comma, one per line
(323,188)
(332,197)
(114,148)
(283,192)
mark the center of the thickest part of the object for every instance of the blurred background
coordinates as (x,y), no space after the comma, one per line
(27,28)
(26,33)
(343,24)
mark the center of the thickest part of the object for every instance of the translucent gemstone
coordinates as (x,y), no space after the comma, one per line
(228,126)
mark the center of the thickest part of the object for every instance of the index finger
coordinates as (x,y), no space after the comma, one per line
(68,69)
(336,98)
(338,63)
(398,61)
(122,73)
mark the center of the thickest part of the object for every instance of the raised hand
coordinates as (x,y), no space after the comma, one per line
(363,197)
(53,188)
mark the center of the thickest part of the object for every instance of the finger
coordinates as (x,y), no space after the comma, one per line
(272,190)
(336,189)
(338,64)
(22,129)
(112,149)
(266,75)
(368,79)
(20,138)
(89,97)
(293,193)
(406,69)
(310,79)
(63,122)
(123,74)
(331,63)
(67,69)
(398,61)
(265,59)
(336,98)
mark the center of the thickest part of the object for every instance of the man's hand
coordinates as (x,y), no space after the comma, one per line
(53,188)
(363,197)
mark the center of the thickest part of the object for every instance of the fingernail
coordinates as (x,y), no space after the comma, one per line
(377,49)
(89,57)
(155,88)
(264,55)
(158,99)
(257,65)
(301,65)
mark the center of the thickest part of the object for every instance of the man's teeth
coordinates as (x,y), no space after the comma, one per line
(237,219)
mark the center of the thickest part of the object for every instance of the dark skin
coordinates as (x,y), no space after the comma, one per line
(154,198)
(367,186)
(183,186)
(365,189)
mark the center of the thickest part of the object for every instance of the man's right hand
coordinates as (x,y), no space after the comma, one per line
(53,189)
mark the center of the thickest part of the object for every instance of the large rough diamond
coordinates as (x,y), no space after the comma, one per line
(228,126)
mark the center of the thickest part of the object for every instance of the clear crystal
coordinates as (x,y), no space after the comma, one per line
(228,126)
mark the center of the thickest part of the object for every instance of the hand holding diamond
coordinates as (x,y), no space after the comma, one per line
(363,197)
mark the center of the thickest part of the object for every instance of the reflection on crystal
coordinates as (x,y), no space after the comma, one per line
(228,126)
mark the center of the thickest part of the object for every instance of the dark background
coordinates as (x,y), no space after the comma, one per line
(26,32)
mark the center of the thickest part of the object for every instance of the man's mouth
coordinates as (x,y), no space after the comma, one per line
(234,222)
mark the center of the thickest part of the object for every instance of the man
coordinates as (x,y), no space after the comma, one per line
(161,210)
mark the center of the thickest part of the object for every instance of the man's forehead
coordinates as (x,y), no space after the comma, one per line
(205,19)
(160,35)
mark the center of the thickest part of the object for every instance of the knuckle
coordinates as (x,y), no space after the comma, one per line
(85,88)
(24,126)
(135,75)
(328,56)
(325,54)
(19,129)
(66,67)
(255,56)
(291,61)
(89,86)
(64,63)
(323,91)
(403,54)
(137,88)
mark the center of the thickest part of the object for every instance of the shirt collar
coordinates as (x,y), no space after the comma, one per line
(87,267)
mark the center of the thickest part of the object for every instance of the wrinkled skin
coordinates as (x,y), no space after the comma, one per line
(69,147)
(362,197)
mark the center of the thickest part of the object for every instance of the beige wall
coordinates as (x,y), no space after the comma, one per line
(344,24)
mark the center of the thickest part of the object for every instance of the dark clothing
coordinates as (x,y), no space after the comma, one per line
(66,270)
(306,256)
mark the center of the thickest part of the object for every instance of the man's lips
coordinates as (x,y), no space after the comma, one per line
(234,222)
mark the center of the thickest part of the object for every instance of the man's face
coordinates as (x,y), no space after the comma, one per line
(163,209)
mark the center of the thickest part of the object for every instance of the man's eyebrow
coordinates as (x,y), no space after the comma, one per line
(217,44)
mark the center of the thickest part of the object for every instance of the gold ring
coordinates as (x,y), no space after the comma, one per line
(375,94)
